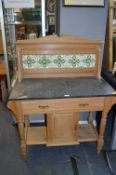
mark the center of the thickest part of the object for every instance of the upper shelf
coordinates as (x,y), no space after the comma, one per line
(24,17)
(25,23)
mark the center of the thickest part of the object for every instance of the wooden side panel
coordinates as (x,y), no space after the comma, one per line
(63,72)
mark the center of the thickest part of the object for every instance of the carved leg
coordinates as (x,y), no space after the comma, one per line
(16,107)
(100,141)
(27,122)
(27,125)
(90,118)
(22,136)
(109,101)
(20,120)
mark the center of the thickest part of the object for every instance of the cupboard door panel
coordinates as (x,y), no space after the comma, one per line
(62,129)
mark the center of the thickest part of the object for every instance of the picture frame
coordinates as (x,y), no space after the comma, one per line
(94,3)
(51,20)
(50,5)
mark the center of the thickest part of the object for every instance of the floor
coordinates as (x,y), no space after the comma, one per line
(42,160)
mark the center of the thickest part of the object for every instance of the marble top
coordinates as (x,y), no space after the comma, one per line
(58,88)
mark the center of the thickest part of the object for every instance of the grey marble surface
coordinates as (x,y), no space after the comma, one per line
(51,88)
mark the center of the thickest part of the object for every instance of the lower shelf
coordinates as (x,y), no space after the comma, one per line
(38,135)
(87,133)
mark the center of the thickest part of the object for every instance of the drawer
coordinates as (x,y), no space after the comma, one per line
(62,105)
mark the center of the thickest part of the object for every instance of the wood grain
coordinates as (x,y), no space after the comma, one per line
(59,45)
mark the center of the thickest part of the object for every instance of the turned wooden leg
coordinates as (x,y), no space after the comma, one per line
(90,118)
(22,136)
(109,101)
(27,122)
(16,107)
(100,141)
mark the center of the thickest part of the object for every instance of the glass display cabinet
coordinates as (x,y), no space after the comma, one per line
(20,24)
(28,23)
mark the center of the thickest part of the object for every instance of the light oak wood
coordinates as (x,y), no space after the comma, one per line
(62,105)
(87,133)
(21,129)
(109,102)
(62,129)
(36,135)
(16,107)
(62,114)
(26,107)
(51,73)
(26,125)
(62,39)
(58,45)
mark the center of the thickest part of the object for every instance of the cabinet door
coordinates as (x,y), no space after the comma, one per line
(62,129)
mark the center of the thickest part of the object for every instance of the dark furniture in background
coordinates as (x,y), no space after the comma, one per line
(111,123)
(3,85)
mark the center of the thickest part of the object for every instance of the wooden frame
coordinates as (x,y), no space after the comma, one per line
(59,111)
(42,135)
(98,3)
(59,45)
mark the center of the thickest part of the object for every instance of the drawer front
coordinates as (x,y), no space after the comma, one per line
(63,105)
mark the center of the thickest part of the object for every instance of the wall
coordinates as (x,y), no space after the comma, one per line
(88,22)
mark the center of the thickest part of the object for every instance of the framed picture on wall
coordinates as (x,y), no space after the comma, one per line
(50,4)
(51,20)
(99,3)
